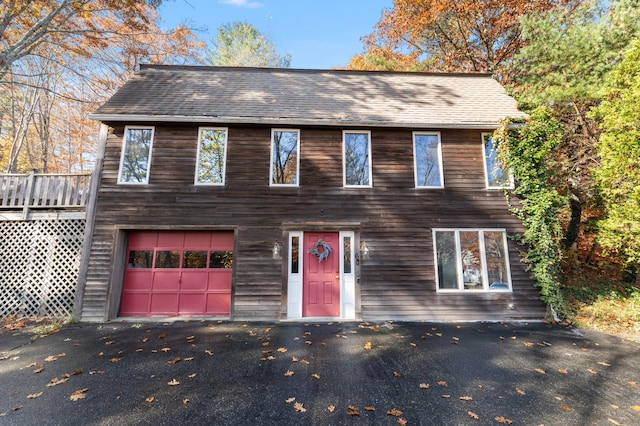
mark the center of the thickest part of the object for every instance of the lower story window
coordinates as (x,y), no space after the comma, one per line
(472,260)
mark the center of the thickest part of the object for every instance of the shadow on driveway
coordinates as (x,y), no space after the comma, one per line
(226,373)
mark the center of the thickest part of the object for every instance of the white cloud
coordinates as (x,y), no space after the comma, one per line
(242,3)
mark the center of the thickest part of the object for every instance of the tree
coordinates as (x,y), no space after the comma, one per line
(563,63)
(618,175)
(59,59)
(240,44)
(448,35)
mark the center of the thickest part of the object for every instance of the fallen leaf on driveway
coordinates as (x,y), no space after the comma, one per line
(51,358)
(304,361)
(40,369)
(208,352)
(594,372)
(634,385)
(394,412)
(79,394)
(299,407)
(520,391)
(315,375)
(331,408)
(283,350)
(566,408)
(503,420)
(191,376)
(150,399)
(186,401)
(165,349)
(473,415)
(402,422)
(114,360)
(352,411)
(540,370)
(613,421)
(367,346)
(174,361)
(423,386)
(173,382)
(563,371)
(35,395)
(635,407)
(370,408)
(443,383)
(396,374)
(466,398)
(288,373)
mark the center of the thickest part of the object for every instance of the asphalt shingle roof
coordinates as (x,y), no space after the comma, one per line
(316,97)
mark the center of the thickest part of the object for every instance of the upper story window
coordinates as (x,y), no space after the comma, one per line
(285,161)
(135,160)
(472,260)
(357,158)
(212,154)
(496,176)
(427,155)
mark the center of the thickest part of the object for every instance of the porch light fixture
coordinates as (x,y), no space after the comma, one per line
(364,251)
(277,250)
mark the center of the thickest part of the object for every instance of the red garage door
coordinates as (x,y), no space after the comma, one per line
(178,273)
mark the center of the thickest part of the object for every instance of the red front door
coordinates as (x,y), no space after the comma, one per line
(321,279)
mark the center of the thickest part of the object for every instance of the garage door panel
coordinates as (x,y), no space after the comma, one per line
(197,240)
(220,280)
(143,240)
(164,303)
(222,241)
(135,304)
(191,304)
(194,280)
(218,303)
(138,280)
(166,281)
(170,239)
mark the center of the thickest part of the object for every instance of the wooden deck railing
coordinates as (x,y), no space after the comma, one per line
(44,191)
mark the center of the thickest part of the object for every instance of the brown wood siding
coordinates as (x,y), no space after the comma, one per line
(396,219)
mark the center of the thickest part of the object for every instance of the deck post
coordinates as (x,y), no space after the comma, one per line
(28,195)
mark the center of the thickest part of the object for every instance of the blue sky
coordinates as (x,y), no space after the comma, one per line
(319,34)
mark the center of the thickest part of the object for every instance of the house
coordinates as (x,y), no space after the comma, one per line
(283,194)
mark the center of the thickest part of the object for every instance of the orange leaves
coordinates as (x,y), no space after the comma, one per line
(367,346)
(352,410)
(503,420)
(78,394)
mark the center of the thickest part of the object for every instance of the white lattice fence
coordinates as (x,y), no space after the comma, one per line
(39,262)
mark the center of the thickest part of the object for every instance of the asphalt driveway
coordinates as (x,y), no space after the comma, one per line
(227,373)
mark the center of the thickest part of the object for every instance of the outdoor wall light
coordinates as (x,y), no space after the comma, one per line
(364,251)
(277,250)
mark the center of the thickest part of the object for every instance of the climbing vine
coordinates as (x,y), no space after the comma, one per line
(526,149)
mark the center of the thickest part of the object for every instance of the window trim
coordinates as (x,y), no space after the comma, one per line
(344,158)
(124,146)
(297,131)
(511,185)
(485,279)
(415,160)
(224,165)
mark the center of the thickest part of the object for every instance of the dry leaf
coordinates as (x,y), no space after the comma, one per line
(562,371)
(614,406)
(191,376)
(114,360)
(540,370)
(51,358)
(150,399)
(367,346)
(173,382)
(96,372)
(299,407)
(186,401)
(446,396)
(79,394)
(208,352)
(165,349)
(110,342)
(565,408)
(396,374)
(424,386)
(604,363)
(35,395)
(594,372)
(503,420)
(331,408)
(55,381)
(370,408)
(162,336)
(473,415)
(294,359)
(613,421)
(634,384)
(528,344)
(413,344)
(635,407)
(189,359)
(308,342)
(466,398)
(40,369)
(315,375)
(290,400)
(265,344)
(191,337)
(394,412)
(443,383)
(174,361)
(352,411)
(401,421)
(520,391)
(289,373)
(271,357)
(283,350)
(304,361)
(455,340)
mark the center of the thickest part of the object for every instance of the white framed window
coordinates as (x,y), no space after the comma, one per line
(135,160)
(356,156)
(495,176)
(211,160)
(285,158)
(471,260)
(427,158)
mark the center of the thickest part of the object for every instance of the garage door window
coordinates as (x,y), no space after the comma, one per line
(221,260)
(141,259)
(195,259)
(168,259)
